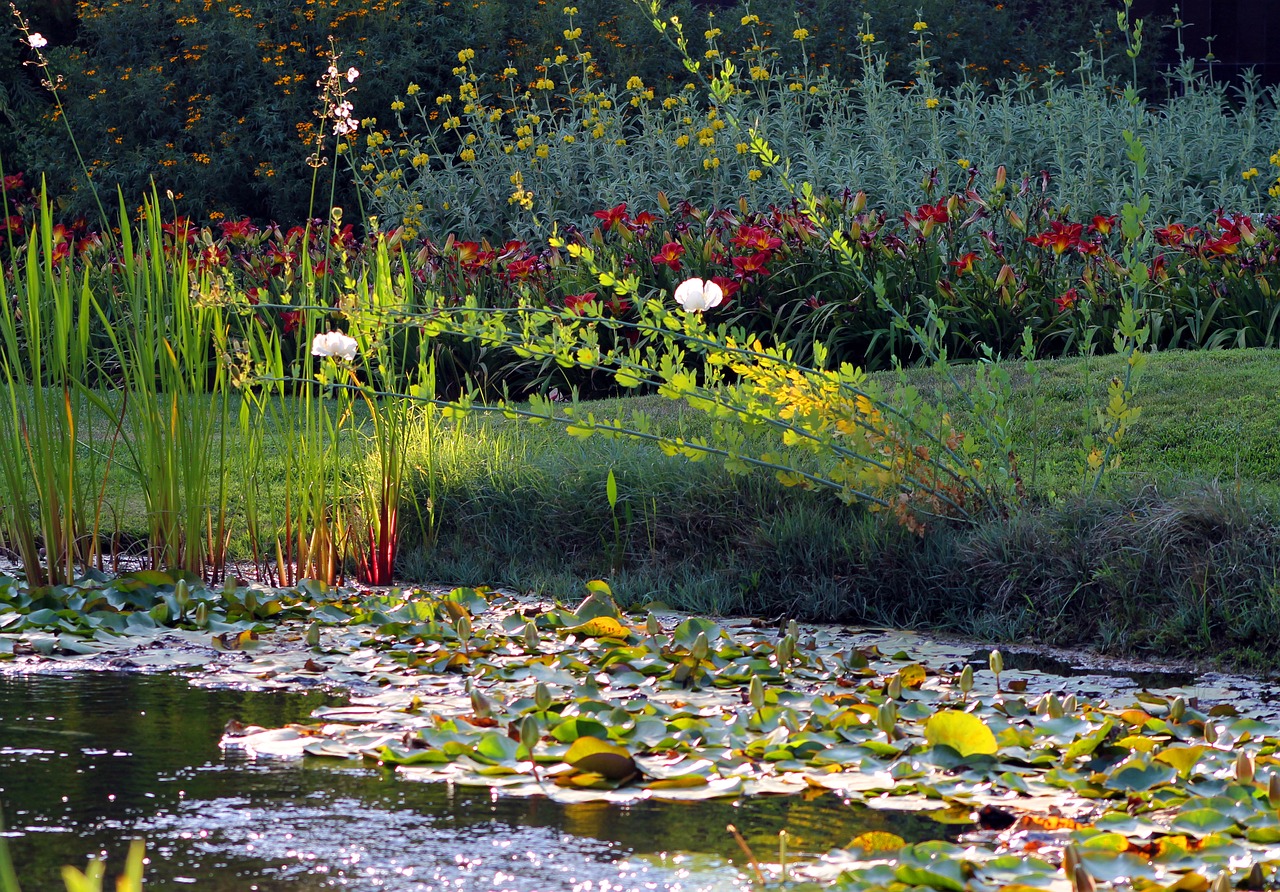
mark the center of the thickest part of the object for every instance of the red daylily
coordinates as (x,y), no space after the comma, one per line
(728,286)
(1227,243)
(1176,234)
(641,223)
(1067,300)
(14,225)
(238,230)
(1059,237)
(612,215)
(756,238)
(289,320)
(1102,225)
(964,263)
(669,256)
(577,303)
(751,265)
(180,230)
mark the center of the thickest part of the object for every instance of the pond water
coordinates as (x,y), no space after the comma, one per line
(90,760)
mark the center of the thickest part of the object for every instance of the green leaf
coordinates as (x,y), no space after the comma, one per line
(596,756)
(964,732)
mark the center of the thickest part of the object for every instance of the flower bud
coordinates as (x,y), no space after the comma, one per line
(1081,881)
(1210,732)
(1244,768)
(1177,709)
(996,662)
(531,639)
(652,627)
(1273,790)
(1070,860)
(1054,706)
(756,692)
(793,629)
(966,680)
(313,635)
(530,733)
(1001,176)
(480,705)
(701,647)
(1222,882)
(542,697)
(182,593)
(202,614)
(887,717)
(463,627)
(1071,705)
(893,687)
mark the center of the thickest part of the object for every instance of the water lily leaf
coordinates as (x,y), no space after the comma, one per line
(912,675)
(1182,758)
(680,782)
(876,842)
(149,577)
(496,748)
(601,627)
(591,754)
(688,631)
(964,732)
(715,788)
(576,727)
(1203,821)
(939,873)
(1136,776)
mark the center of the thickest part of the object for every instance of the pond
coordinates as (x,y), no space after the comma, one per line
(90,759)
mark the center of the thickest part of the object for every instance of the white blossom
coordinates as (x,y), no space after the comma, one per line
(352,74)
(37,40)
(335,344)
(695,295)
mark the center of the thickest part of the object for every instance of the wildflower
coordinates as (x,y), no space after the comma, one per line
(868,38)
(1067,300)
(1249,174)
(352,74)
(695,295)
(964,263)
(963,162)
(467,155)
(612,215)
(750,20)
(754,174)
(800,34)
(577,303)
(334,344)
(932,102)
(669,255)
(919,26)
(412,89)
(37,41)
(1102,225)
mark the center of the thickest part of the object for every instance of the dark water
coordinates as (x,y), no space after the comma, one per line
(91,760)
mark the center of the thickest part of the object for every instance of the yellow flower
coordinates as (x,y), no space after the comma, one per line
(742,148)
(750,20)
(509,72)
(709,163)
(571,10)
(711,33)
(412,89)
(543,151)
(682,140)
(634,83)
(1249,174)
(1274,191)
(466,55)
(467,155)
(572,34)
(964,163)
(397,105)
(568,137)
(919,26)
(421,160)
(800,34)
(868,38)
(931,102)
(561,59)
(754,174)
(1275,159)
(759,73)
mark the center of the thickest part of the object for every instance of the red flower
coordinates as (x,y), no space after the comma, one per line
(1102,225)
(521,269)
(612,215)
(14,224)
(669,255)
(641,223)
(1175,234)
(751,266)
(1227,243)
(13,182)
(1060,237)
(238,230)
(964,263)
(180,230)
(1067,300)
(289,320)
(577,303)
(756,238)
(473,256)
(728,286)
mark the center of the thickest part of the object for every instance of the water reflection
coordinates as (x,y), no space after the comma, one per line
(89,760)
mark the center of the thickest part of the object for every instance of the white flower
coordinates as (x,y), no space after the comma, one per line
(695,295)
(335,344)
(37,41)
(352,74)
(333,71)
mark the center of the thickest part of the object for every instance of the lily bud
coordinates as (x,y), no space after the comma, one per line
(1082,881)
(1002,176)
(1273,790)
(542,697)
(1177,709)
(463,628)
(701,647)
(1054,707)
(530,733)
(1071,705)
(1070,860)
(1015,221)
(786,649)
(966,680)
(1222,882)
(651,626)
(182,593)
(313,635)
(480,705)
(1210,732)
(202,614)
(1255,879)
(793,629)
(887,717)
(756,692)
(531,638)
(230,583)
(1244,768)
(893,687)
(996,662)
(859,202)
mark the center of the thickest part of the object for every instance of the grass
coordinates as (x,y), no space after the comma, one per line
(1177,553)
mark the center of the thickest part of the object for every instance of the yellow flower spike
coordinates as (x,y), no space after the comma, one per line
(932,102)
(919,26)
(800,34)
(868,38)
(1249,174)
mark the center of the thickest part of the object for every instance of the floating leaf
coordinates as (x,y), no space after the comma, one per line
(876,842)
(601,627)
(591,754)
(964,732)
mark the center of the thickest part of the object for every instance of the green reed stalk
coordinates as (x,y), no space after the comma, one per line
(168,343)
(44,344)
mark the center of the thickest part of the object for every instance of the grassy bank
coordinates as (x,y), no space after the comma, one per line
(1176,554)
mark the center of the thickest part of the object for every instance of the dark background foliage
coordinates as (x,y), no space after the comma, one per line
(216,99)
